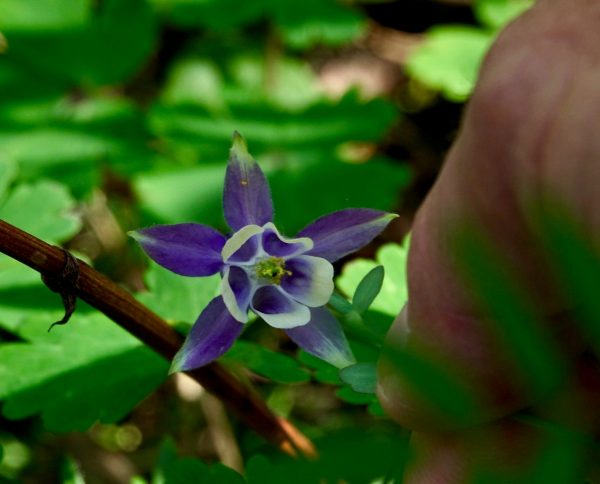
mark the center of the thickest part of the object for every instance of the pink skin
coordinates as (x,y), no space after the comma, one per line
(532,129)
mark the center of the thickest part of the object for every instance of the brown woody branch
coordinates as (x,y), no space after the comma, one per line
(120,306)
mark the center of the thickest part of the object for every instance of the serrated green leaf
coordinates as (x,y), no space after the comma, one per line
(368,289)
(393,294)
(44,209)
(449,59)
(362,377)
(497,13)
(177,298)
(78,374)
(275,366)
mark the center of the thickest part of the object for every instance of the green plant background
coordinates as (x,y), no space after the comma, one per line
(116,114)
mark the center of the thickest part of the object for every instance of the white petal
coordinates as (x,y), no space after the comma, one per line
(231,302)
(278,309)
(238,239)
(294,246)
(311,281)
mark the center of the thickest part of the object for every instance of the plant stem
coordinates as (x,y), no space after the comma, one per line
(120,306)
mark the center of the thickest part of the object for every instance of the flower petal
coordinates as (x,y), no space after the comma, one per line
(278,309)
(236,289)
(246,197)
(310,281)
(212,335)
(323,337)
(340,233)
(187,249)
(276,245)
(240,245)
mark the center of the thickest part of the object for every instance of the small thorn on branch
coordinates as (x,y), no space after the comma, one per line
(66,283)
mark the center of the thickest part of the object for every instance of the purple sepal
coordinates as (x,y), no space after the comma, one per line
(212,335)
(323,337)
(246,195)
(188,249)
(343,232)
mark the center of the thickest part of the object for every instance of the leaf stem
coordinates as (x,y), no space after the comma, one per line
(120,306)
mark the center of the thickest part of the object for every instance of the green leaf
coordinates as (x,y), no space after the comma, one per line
(362,377)
(275,366)
(109,49)
(78,374)
(312,22)
(393,294)
(368,289)
(340,303)
(497,13)
(323,371)
(177,298)
(515,320)
(449,59)
(43,15)
(8,172)
(348,395)
(44,209)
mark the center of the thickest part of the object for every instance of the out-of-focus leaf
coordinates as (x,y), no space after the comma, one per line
(497,13)
(368,289)
(75,375)
(302,25)
(349,395)
(393,294)
(275,366)
(311,22)
(44,209)
(515,320)
(449,59)
(176,298)
(8,171)
(333,186)
(323,371)
(362,377)
(576,265)
(43,15)
(342,457)
(109,49)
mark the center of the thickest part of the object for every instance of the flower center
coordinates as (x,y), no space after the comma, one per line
(272,270)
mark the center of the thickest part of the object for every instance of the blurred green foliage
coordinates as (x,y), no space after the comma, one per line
(449,59)
(136,101)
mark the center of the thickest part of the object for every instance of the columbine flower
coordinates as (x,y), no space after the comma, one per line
(287,282)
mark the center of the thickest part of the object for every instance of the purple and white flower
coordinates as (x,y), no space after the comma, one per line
(285,281)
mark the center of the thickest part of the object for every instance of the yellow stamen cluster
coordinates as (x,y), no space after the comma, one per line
(272,270)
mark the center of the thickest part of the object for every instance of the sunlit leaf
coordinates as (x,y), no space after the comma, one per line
(393,292)
(497,13)
(449,59)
